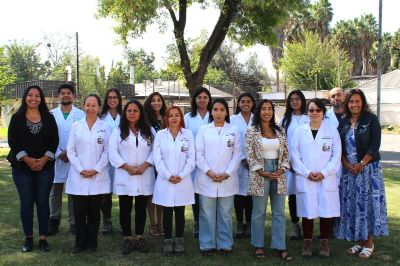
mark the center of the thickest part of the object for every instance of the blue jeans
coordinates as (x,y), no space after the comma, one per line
(34,187)
(215,223)
(278,213)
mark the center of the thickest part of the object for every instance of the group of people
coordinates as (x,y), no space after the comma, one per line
(327,162)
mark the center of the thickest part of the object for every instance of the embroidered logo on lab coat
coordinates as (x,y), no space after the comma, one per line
(184,148)
(230,143)
(100,140)
(326,147)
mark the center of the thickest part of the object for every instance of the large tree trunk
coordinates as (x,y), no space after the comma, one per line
(193,79)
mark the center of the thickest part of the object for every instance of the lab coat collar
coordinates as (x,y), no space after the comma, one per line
(250,121)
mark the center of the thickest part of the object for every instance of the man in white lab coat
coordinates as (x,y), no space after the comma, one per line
(65,115)
(336,97)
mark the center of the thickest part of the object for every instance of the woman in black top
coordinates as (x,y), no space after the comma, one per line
(155,107)
(33,139)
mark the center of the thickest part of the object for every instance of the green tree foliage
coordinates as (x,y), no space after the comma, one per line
(25,61)
(386,42)
(303,61)
(253,21)
(143,63)
(6,76)
(92,78)
(395,51)
(119,74)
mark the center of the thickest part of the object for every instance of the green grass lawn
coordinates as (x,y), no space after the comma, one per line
(109,251)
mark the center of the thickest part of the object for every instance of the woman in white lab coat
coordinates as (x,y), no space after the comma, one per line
(88,178)
(155,107)
(174,155)
(111,113)
(130,153)
(218,159)
(316,152)
(198,116)
(243,118)
(294,116)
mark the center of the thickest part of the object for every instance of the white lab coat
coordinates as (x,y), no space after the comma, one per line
(322,154)
(331,117)
(220,153)
(243,172)
(110,120)
(294,123)
(174,158)
(87,149)
(194,123)
(125,151)
(64,127)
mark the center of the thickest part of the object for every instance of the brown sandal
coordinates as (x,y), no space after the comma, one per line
(259,252)
(153,230)
(283,254)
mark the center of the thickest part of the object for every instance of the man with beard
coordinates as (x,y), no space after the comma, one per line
(66,114)
(336,96)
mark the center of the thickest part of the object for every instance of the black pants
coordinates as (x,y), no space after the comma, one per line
(106,206)
(179,221)
(243,205)
(325,227)
(293,209)
(87,219)
(195,207)
(125,210)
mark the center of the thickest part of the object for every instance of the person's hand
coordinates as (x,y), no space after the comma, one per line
(39,163)
(222,177)
(349,167)
(141,168)
(88,173)
(358,167)
(175,179)
(213,176)
(29,161)
(316,177)
(63,157)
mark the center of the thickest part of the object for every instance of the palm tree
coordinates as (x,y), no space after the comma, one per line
(367,31)
(322,14)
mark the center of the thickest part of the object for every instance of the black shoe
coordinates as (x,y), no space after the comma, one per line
(43,245)
(207,252)
(28,245)
(224,252)
(142,246)
(91,249)
(53,227)
(72,229)
(77,249)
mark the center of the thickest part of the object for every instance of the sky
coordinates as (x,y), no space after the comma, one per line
(29,21)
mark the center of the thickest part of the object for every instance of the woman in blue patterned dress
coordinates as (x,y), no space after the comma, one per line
(362,190)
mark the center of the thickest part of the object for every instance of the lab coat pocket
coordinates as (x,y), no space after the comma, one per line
(329,183)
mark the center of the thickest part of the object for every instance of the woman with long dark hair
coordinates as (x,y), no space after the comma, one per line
(130,150)
(363,213)
(243,118)
(316,152)
(268,158)
(218,159)
(174,155)
(111,113)
(88,179)
(295,116)
(155,107)
(199,115)
(33,141)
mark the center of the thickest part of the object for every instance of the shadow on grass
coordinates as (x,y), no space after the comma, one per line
(109,251)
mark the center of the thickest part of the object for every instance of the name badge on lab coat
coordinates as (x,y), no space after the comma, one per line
(326,147)
(230,143)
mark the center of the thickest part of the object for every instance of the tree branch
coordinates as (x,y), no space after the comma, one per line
(228,12)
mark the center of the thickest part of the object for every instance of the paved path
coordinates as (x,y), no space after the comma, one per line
(390,151)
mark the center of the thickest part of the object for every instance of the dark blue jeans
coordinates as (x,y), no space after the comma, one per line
(34,187)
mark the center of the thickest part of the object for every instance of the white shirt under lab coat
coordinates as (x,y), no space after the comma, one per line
(126,151)
(218,150)
(243,172)
(295,122)
(87,149)
(174,158)
(64,127)
(322,154)
(194,123)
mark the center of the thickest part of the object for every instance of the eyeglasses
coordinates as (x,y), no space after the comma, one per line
(315,110)
(295,99)
(112,97)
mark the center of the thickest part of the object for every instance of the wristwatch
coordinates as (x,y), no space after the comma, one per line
(363,163)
